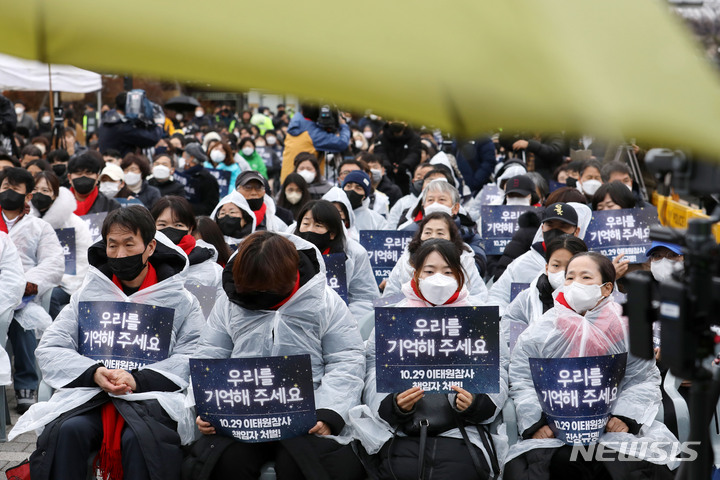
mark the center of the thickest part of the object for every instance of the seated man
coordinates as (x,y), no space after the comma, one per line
(83,173)
(357,187)
(133,417)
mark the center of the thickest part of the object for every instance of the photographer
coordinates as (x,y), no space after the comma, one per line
(120,133)
(305,134)
(400,147)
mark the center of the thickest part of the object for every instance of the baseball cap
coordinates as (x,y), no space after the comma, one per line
(673,247)
(521,184)
(113,171)
(561,211)
(248,176)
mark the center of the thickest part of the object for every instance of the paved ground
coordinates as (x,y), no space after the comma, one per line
(19,449)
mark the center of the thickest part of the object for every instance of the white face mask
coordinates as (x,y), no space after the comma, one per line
(662,269)
(293,197)
(45,119)
(581,297)
(161,172)
(199,113)
(181,162)
(438,288)
(368,135)
(556,279)
(376,175)
(271,140)
(590,186)
(109,189)
(178,116)
(133,179)
(307,175)
(217,156)
(437,207)
(523,201)
(247,151)
(19,111)
(628,186)
(359,144)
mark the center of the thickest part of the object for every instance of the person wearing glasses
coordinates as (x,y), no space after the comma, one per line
(252,186)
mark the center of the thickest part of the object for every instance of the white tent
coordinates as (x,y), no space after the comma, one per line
(30,75)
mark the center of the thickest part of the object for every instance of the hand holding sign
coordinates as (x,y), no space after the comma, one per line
(616,425)
(621,266)
(464,399)
(320,428)
(205,428)
(407,399)
(543,432)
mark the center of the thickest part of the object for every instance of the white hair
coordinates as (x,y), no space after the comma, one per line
(443,186)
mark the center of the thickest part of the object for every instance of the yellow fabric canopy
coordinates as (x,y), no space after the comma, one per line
(614,68)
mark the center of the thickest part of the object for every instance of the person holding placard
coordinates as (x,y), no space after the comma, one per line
(174,218)
(132,310)
(438,225)
(320,224)
(585,322)
(55,205)
(534,301)
(277,303)
(438,280)
(558,219)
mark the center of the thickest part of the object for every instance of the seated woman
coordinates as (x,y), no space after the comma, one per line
(277,302)
(307,166)
(613,196)
(320,224)
(174,217)
(293,194)
(234,217)
(438,225)
(209,232)
(584,322)
(534,301)
(438,280)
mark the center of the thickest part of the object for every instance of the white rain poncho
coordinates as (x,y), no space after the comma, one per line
(313,321)
(367,426)
(43,261)
(336,194)
(236,198)
(205,274)
(272,222)
(524,310)
(60,215)
(361,284)
(61,363)
(12,287)
(530,264)
(366,219)
(562,333)
(402,272)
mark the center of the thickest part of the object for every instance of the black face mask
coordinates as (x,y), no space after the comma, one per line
(59,169)
(256,203)
(127,268)
(320,240)
(230,226)
(355,199)
(41,201)
(551,235)
(11,200)
(416,188)
(84,185)
(174,234)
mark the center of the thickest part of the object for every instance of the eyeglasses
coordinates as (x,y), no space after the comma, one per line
(252,188)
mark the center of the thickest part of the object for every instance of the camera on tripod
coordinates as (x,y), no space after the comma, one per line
(59,114)
(327,120)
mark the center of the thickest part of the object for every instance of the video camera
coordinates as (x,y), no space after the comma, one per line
(687,305)
(327,120)
(139,109)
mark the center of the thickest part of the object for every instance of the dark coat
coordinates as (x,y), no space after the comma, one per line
(402,153)
(201,189)
(476,161)
(387,187)
(520,243)
(119,134)
(148,194)
(171,187)
(103,204)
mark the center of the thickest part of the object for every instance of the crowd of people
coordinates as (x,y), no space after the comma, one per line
(246,206)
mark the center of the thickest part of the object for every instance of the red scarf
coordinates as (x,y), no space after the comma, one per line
(415,288)
(294,290)
(327,251)
(260,215)
(150,279)
(109,458)
(187,243)
(3,226)
(84,206)
(419,216)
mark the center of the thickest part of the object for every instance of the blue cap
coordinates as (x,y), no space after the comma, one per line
(676,249)
(359,177)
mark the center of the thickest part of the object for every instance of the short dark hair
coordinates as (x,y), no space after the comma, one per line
(135,218)
(607,270)
(614,167)
(58,155)
(455,236)
(180,210)
(565,195)
(562,168)
(141,162)
(31,150)
(91,161)
(590,164)
(9,158)
(443,170)
(18,176)
(447,250)
(51,179)
(120,101)
(168,155)
(369,158)
(265,262)
(307,157)
(40,163)
(325,212)
(209,232)
(359,163)
(422,165)
(245,140)
(310,111)
(571,243)
(619,193)
(111,152)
